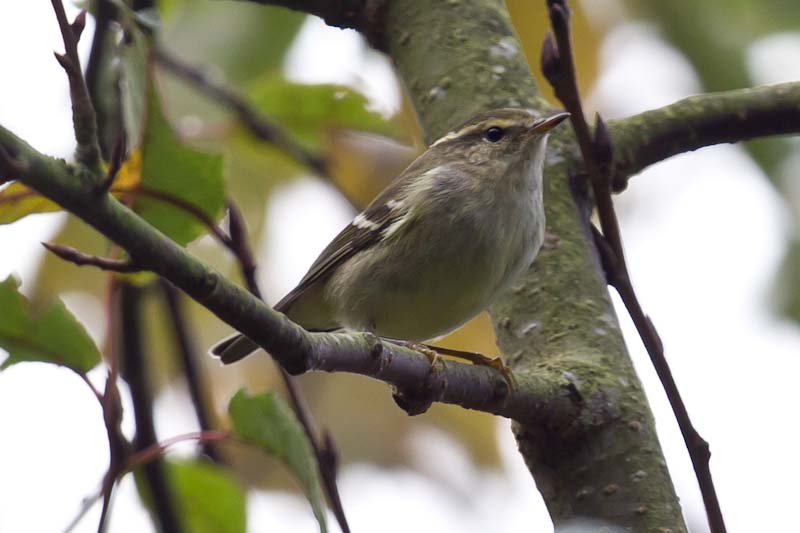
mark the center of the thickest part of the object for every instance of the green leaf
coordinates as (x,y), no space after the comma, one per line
(311,111)
(173,169)
(209,499)
(53,335)
(264,32)
(267,421)
(134,70)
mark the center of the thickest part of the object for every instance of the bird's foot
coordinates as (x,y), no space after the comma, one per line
(482,360)
(433,356)
(434,353)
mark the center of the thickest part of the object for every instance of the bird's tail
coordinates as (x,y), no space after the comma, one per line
(233,348)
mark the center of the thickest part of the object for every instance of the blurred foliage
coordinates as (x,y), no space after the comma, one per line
(18,201)
(51,335)
(531,23)
(185,173)
(246,40)
(134,54)
(244,46)
(715,36)
(208,499)
(266,421)
(362,165)
(310,111)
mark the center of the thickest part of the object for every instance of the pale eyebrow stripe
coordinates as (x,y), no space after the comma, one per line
(472,128)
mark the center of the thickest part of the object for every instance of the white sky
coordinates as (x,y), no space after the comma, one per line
(703,234)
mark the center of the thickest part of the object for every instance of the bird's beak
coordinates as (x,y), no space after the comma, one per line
(543,125)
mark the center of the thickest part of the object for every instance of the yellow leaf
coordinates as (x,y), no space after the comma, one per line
(129,175)
(18,201)
(531,22)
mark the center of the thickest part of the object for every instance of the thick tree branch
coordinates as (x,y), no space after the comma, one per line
(460,58)
(597,154)
(703,120)
(297,350)
(366,16)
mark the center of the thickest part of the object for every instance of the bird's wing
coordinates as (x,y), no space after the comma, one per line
(364,231)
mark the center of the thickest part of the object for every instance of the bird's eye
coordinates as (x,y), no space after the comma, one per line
(494,134)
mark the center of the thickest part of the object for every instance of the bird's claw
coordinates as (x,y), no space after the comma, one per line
(433,356)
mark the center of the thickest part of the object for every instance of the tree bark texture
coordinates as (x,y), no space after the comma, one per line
(459,58)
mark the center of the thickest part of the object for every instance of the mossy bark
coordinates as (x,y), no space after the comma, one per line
(460,57)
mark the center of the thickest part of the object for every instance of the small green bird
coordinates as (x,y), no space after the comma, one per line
(438,245)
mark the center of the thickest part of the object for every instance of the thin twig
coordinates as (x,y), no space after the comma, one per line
(156,450)
(260,126)
(84,122)
(72,255)
(109,481)
(134,371)
(86,506)
(119,448)
(99,67)
(559,68)
(182,204)
(192,370)
(117,158)
(324,453)
(241,249)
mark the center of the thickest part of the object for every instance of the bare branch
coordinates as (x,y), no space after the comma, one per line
(196,379)
(133,368)
(597,153)
(182,204)
(241,249)
(703,120)
(257,124)
(84,122)
(156,450)
(117,158)
(72,255)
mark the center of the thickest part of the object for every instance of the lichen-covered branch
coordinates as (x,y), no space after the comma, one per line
(459,58)
(297,350)
(703,120)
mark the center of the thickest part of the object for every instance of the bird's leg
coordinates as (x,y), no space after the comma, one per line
(479,359)
(433,353)
(428,351)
